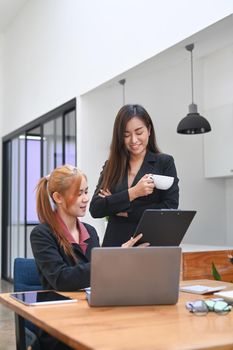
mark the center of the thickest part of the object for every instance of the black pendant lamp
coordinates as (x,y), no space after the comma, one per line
(193,123)
(122,82)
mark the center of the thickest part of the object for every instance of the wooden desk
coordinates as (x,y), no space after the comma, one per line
(141,327)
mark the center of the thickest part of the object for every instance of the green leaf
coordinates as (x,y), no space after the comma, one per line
(215,273)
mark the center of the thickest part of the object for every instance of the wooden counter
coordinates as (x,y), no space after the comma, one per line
(197,262)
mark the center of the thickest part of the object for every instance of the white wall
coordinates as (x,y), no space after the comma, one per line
(96,116)
(218,87)
(58,49)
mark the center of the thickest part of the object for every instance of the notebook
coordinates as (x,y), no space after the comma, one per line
(164,227)
(134,276)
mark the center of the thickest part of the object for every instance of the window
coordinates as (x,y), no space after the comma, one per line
(29,153)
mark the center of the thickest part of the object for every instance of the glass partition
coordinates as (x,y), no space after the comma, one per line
(29,153)
(70,138)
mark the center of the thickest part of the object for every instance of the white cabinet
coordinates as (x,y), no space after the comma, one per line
(218,144)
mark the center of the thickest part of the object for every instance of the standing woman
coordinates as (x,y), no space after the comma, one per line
(125,188)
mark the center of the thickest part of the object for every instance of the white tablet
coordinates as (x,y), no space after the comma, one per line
(200,289)
(41,298)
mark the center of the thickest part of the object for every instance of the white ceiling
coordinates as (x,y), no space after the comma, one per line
(8,11)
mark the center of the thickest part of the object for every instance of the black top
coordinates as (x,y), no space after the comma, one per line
(120,229)
(56,269)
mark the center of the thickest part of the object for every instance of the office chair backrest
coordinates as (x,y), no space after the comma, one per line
(26,275)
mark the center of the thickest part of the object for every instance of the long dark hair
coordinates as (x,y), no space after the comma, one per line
(119,156)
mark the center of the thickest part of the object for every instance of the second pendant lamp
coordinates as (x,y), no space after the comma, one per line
(193,123)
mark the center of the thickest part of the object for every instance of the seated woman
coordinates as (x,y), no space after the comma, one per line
(61,243)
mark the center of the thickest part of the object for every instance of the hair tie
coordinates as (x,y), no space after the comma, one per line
(47,177)
(75,170)
(51,201)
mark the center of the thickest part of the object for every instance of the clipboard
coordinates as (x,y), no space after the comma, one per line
(164,227)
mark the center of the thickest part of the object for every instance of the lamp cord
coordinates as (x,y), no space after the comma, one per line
(192,73)
(122,82)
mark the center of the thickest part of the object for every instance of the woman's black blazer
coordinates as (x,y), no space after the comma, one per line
(56,269)
(120,229)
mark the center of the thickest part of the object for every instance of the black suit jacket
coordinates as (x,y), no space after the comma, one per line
(120,229)
(56,269)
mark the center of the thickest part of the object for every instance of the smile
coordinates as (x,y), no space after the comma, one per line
(134,146)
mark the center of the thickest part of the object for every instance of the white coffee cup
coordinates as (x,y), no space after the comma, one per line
(162,182)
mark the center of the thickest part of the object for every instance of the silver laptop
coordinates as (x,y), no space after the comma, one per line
(134,276)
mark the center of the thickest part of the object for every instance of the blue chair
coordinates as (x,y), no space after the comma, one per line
(26,278)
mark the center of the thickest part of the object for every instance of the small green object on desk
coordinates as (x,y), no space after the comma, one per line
(215,273)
